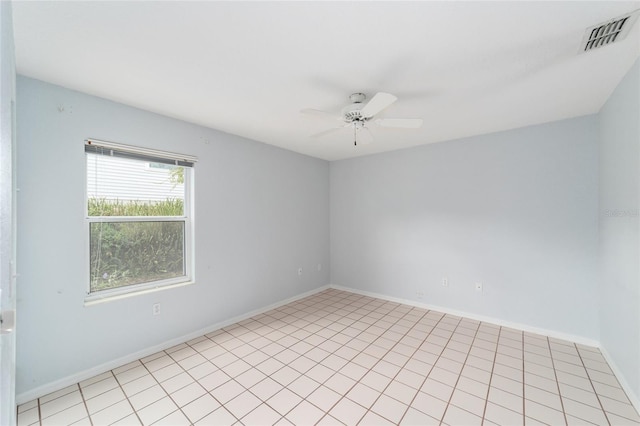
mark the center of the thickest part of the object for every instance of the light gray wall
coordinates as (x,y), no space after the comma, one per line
(260,213)
(620,227)
(515,210)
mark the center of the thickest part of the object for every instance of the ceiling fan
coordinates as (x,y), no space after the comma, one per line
(358,114)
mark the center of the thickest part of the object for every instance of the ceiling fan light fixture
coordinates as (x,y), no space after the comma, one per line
(352,113)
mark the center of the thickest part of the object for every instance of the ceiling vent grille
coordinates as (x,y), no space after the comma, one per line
(608,32)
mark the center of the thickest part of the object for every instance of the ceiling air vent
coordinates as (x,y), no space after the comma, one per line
(608,32)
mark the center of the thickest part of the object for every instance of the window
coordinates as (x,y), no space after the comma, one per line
(139,218)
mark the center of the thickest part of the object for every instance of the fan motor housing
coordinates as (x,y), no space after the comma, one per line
(351,112)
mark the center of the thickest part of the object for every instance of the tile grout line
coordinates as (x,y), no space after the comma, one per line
(350,360)
(493,365)
(369,344)
(352,321)
(460,374)
(326,413)
(506,377)
(169,394)
(283,416)
(256,350)
(593,387)
(426,376)
(343,345)
(299,355)
(444,413)
(361,351)
(115,376)
(405,363)
(524,412)
(370,368)
(222,369)
(41,419)
(125,396)
(84,401)
(555,374)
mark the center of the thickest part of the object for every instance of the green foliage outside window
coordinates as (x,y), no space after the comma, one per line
(104,207)
(128,253)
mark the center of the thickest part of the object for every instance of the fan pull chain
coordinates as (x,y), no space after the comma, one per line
(355,142)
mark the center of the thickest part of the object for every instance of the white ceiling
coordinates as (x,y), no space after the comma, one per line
(248,68)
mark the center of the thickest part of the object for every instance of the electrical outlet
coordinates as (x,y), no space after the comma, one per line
(420,294)
(156,309)
(479,287)
(299,272)
(319,267)
(445,282)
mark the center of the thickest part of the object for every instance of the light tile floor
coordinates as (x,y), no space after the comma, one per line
(340,358)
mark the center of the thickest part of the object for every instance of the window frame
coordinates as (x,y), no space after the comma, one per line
(142,155)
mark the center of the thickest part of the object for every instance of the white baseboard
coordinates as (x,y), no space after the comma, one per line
(99,369)
(635,400)
(518,326)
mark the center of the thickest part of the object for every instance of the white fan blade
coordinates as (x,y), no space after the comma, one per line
(379,102)
(319,114)
(405,123)
(364,136)
(327,132)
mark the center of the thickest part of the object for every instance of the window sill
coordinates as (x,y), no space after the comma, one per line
(96,299)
